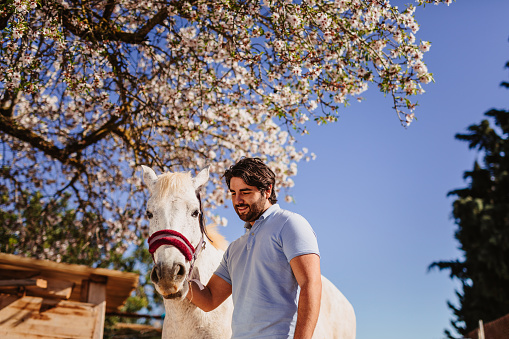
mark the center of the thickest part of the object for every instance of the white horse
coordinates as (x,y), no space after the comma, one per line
(182,251)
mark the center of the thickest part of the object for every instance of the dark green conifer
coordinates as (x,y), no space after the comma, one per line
(481,211)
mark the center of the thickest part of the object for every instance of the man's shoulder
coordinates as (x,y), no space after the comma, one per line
(288,216)
(281,221)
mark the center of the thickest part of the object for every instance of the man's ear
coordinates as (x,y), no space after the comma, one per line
(268,192)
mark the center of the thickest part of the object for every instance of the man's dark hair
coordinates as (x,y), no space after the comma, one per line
(254,173)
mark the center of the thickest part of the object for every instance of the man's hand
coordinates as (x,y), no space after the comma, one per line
(306,269)
(213,295)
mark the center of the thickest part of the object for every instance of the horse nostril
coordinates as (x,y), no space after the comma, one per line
(179,270)
(154,276)
(182,270)
(165,273)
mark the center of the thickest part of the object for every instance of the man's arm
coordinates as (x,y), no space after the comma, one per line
(213,295)
(306,269)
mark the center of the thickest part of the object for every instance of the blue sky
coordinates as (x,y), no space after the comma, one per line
(377,193)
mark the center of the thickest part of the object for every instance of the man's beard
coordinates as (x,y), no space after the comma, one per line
(255,210)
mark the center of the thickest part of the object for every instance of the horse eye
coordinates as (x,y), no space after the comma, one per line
(149,214)
(195,213)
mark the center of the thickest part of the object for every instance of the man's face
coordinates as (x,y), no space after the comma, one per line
(248,201)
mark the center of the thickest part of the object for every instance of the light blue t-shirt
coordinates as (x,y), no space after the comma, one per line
(257,265)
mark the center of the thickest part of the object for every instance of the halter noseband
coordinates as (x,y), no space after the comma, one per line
(172,238)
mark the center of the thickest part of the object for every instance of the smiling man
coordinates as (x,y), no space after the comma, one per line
(248,201)
(273,270)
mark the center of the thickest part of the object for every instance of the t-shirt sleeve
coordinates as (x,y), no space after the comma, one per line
(222,270)
(298,238)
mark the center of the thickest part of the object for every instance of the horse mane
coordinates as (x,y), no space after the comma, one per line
(172,183)
(216,238)
(177,183)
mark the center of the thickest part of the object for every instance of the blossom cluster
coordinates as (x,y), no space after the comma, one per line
(95,90)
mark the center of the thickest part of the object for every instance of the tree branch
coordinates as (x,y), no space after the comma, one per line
(108,10)
(4,19)
(93,137)
(105,30)
(12,128)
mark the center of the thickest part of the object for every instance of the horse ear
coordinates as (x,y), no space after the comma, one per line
(201,179)
(149,177)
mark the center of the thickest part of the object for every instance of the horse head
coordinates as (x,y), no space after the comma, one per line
(176,228)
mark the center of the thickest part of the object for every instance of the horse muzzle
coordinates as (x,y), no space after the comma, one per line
(169,274)
(169,280)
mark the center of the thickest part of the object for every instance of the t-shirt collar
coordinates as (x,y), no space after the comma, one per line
(264,216)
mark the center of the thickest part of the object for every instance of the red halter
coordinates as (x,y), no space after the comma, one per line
(172,238)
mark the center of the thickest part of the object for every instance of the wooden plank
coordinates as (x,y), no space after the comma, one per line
(41,283)
(96,294)
(8,265)
(13,261)
(7,299)
(99,321)
(34,317)
(59,289)
(101,279)
(17,273)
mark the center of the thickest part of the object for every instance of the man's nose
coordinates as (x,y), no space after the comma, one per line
(237,200)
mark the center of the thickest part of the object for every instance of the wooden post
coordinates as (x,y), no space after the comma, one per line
(97,289)
(93,291)
(481,330)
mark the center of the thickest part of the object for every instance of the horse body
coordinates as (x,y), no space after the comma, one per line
(174,205)
(337,317)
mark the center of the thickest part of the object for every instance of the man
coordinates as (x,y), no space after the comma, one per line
(273,270)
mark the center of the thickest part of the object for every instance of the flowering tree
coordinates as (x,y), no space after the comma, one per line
(89,90)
